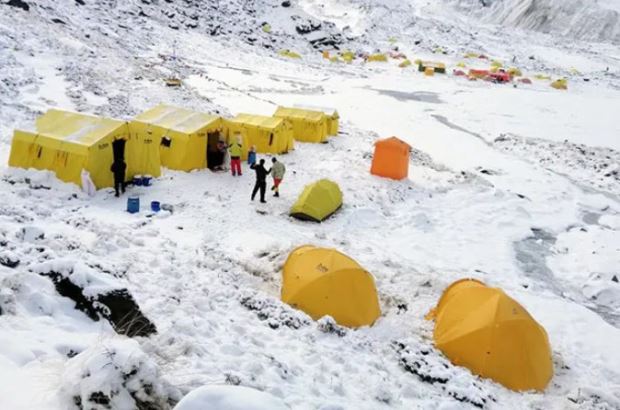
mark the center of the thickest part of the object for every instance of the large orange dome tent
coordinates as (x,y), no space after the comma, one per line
(491,334)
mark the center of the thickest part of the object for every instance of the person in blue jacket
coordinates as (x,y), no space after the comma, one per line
(252,156)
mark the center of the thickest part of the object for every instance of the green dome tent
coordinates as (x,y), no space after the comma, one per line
(318,201)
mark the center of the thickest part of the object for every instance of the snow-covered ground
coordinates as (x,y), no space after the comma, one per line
(518,187)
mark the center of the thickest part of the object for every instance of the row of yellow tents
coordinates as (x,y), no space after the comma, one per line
(476,326)
(177,138)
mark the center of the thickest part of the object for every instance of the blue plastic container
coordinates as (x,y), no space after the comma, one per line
(146,180)
(133,205)
(155,206)
(137,180)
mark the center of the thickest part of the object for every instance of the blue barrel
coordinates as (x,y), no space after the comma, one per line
(133,204)
(146,180)
(137,180)
(155,206)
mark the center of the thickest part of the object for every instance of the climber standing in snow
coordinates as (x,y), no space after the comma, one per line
(252,156)
(235,155)
(118,168)
(277,172)
(261,180)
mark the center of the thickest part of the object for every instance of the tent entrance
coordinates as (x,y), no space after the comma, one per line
(118,148)
(215,157)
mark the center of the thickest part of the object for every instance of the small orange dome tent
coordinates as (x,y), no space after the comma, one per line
(391,158)
(491,334)
(322,281)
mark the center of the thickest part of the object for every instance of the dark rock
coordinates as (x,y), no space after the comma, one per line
(100,398)
(58,21)
(274,313)
(286,3)
(328,325)
(80,2)
(116,306)
(125,314)
(9,261)
(614,279)
(19,4)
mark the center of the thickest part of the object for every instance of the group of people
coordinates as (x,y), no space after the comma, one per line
(235,150)
(277,169)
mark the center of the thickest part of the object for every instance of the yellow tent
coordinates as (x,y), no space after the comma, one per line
(332,116)
(488,332)
(270,135)
(308,125)
(334,59)
(436,66)
(181,135)
(515,72)
(318,201)
(542,77)
(348,56)
(560,84)
(323,281)
(289,54)
(379,57)
(66,142)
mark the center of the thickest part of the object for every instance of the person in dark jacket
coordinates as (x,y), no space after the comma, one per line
(118,168)
(261,180)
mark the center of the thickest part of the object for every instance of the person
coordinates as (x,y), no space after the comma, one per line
(235,155)
(261,183)
(118,168)
(223,154)
(277,172)
(252,156)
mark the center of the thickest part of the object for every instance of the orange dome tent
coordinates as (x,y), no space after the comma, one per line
(491,334)
(391,158)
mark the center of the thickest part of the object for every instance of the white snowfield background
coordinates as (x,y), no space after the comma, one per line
(516,186)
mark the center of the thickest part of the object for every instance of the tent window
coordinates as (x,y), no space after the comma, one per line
(166,142)
(270,139)
(40,152)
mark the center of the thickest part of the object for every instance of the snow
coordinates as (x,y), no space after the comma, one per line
(113,374)
(229,398)
(512,186)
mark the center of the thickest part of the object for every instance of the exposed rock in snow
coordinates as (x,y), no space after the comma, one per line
(98,295)
(274,312)
(19,4)
(589,20)
(115,374)
(229,398)
(592,167)
(9,259)
(423,362)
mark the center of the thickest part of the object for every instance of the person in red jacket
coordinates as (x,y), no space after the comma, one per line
(236,149)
